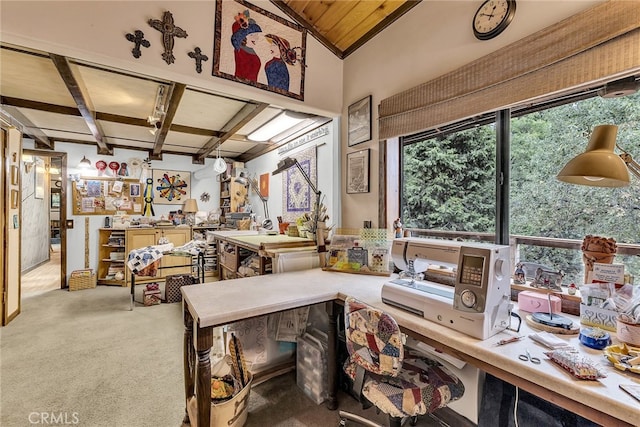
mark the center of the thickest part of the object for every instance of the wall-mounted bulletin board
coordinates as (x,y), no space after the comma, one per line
(105,196)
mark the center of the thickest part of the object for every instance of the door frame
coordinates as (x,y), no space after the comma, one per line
(63,206)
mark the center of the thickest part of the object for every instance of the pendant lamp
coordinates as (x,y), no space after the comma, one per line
(219,165)
(598,166)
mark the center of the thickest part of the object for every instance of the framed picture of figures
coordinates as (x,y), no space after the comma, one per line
(256,47)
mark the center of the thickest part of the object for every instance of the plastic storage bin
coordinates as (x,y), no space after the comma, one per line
(311,364)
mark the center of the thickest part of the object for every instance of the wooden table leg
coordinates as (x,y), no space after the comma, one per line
(203,344)
(189,359)
(332,362)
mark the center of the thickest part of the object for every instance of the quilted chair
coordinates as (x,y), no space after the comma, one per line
(397,383)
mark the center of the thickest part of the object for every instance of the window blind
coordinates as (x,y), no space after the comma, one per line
(576,53)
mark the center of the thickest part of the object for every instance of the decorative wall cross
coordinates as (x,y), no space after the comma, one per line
(199,57)
(169,31)
(138,38)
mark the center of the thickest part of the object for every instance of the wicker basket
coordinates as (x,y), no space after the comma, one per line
(82,279)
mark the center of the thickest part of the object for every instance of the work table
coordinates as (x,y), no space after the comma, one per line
(602,401)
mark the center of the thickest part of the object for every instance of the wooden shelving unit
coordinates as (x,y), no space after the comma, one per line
(211,251)
(111,256)
(225,196)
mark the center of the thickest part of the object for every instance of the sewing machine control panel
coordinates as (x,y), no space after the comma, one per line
(472,279)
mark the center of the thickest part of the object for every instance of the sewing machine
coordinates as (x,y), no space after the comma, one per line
(467,287)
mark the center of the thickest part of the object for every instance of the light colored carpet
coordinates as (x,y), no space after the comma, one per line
(84,356)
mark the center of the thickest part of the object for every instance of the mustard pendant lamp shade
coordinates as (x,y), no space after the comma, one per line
(598,166)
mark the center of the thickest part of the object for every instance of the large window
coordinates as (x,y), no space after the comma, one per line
(448,179)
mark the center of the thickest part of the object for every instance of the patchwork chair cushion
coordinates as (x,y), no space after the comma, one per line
(398,384)
(373,338)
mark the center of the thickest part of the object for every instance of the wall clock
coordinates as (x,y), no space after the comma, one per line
(492,18)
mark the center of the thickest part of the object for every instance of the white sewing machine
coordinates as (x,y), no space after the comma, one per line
(475,298)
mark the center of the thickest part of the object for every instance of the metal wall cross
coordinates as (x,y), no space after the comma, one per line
(199,57)
(138,38)
(169,31)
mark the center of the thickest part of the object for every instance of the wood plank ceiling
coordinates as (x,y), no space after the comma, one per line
(343,26)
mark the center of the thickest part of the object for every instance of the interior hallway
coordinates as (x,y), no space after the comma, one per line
(45,277)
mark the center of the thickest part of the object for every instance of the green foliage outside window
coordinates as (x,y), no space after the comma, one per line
(449,182)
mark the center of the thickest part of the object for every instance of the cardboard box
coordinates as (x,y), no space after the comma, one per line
(591,315)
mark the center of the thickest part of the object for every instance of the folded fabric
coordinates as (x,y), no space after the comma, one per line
(141,258)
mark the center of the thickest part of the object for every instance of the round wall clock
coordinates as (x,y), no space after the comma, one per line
(492,18)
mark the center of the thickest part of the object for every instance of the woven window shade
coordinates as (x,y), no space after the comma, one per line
(586,49)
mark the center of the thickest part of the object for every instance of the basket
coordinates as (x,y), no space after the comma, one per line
(82,279)
(230,413)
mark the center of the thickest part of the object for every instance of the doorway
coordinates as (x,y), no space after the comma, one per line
(44,217)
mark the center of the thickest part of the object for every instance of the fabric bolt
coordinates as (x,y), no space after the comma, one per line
(398,383)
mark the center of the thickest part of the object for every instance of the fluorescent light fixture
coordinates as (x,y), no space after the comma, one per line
(599,166)
(280,123)
(84,163)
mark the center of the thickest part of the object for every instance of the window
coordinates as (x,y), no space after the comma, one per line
(448,179)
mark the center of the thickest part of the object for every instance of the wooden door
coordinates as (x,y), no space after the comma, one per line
(10,191)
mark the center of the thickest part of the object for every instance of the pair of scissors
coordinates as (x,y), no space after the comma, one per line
(528,358)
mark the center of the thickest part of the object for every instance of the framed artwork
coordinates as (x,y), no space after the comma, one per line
(55,200)
(257,48)
(14,175)
(297,197)
(14,199)
(358,172)
(39,179)
(264,184)
(171,187)
(134,190)
(359,121)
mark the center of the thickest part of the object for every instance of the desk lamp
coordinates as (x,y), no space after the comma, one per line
(190,208)
(599,166)
(267,224)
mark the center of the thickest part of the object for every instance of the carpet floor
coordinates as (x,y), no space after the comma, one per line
(83,358)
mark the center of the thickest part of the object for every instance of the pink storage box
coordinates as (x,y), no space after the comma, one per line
(538,301)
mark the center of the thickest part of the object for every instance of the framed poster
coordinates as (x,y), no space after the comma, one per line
(255,47)
(358,172)
(359,121)
(171,187)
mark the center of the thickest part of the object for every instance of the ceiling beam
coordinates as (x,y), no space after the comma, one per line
(73,85)
(106,117)
(176,90)
(28,128)
(244,116)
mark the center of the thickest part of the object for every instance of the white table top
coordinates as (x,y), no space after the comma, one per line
(219,303)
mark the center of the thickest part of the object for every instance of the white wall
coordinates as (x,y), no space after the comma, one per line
(95,31)
(75,152)
(328,182)
(434,38)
